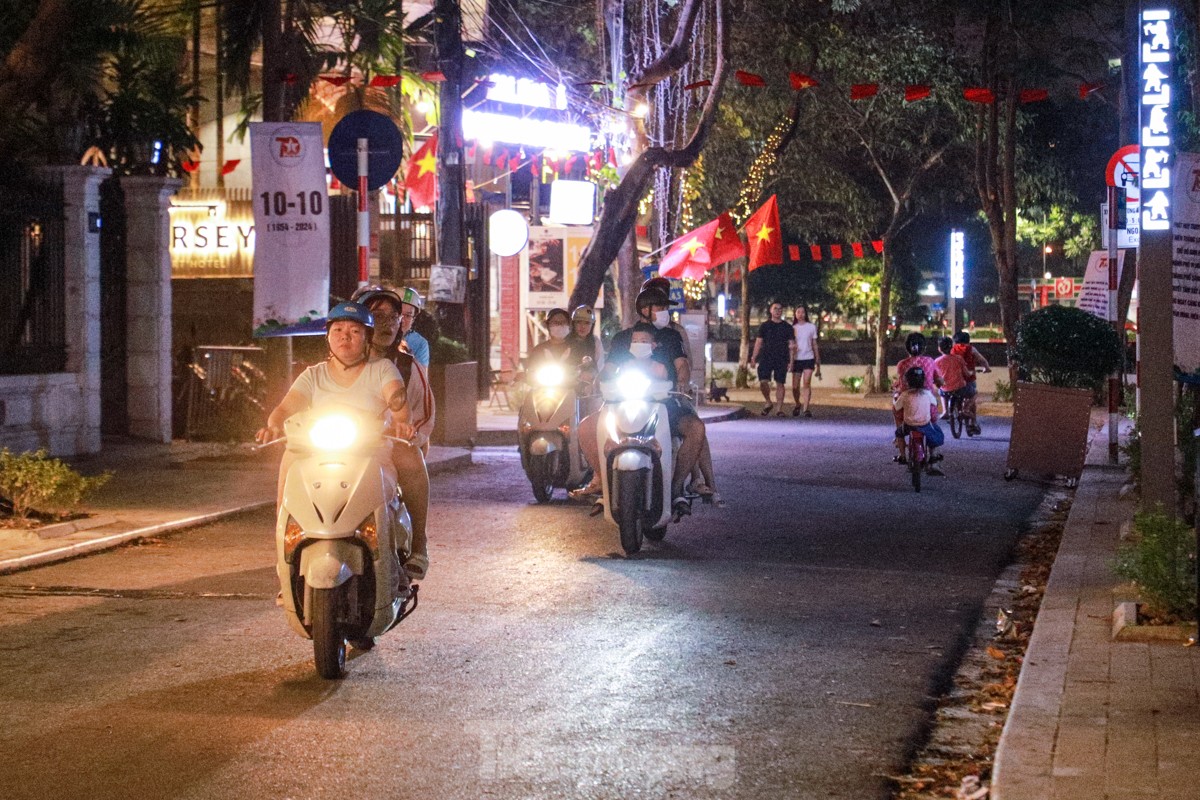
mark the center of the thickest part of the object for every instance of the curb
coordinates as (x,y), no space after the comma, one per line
(117,539)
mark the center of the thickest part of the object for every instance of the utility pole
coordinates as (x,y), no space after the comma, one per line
(272,52)
(451,236)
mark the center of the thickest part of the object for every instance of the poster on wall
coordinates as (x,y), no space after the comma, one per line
(544,266)
(1185,261)
(291,222)
(447,284)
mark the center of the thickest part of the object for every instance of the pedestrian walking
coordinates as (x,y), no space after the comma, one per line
(806,361)
(774,350)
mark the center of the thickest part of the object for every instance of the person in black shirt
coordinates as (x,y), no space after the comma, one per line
(773,350)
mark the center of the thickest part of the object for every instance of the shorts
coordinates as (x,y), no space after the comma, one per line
(677,409)
(962,392)
(803,364)
(778,371)
(933,433)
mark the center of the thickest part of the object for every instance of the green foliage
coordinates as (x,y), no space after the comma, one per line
(33,481)
(723,377)
(1065,346)
(1003,393)
(1076,234)
(448,351)
(852,383)
(1161,560)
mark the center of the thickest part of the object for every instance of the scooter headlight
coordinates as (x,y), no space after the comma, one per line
(550,375)
(333,432)
(633,385)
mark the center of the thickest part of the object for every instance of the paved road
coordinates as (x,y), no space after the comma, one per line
(783,647)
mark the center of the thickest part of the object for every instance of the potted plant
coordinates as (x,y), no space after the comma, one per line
(1063,356)
(453,377)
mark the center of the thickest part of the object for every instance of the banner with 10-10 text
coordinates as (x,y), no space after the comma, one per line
(291,222)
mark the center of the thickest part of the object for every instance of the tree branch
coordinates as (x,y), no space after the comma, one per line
(675,56)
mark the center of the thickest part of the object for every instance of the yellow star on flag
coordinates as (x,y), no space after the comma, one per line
(427,164)
(764,233)
(692,246)
(720,234)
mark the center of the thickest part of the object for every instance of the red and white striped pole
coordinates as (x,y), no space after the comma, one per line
(364,215)
(1114,380)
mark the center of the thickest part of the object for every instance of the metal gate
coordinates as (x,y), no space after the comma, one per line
(114,384)
(32,282)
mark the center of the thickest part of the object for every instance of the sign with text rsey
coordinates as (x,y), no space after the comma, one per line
(291,222)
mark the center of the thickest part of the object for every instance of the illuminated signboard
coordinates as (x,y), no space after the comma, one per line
(957,265)
(524,92)
(212,237)
(1155,40)
(486,126)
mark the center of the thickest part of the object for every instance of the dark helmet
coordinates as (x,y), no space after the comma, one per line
(658,283)
(914,378)
(651,297)
(369,294)
(583,314)
(355,312)
(962,337)
(915,343)
(558,312)
(945,343)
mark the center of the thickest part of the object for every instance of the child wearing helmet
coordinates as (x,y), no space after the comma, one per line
(914,345)
(974,361)
(919,409)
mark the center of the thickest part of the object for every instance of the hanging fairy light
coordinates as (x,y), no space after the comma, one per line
(756,178)
(694,289)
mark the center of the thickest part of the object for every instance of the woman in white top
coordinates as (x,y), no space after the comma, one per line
(807,361)
(346,377)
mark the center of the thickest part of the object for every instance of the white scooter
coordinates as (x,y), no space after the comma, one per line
(635,441)
(548,430)
(342,534)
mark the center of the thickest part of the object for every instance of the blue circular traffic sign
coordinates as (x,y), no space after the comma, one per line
(385,148)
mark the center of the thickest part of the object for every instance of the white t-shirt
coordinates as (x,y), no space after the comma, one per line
(806,337)
(916,404)
(366,393)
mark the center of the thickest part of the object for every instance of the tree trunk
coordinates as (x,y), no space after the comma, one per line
(620,210)
(629,281)
(272,62)
(877,378)
(36,55)
(743,376)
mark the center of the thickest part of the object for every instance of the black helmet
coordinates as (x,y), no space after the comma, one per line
(558,312)
(915,343)
(355,312)
(658,283)
(914,378)
(962,337)
(651,297)
(945,343)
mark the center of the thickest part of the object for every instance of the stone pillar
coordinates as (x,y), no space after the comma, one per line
(81,233)
(148,304)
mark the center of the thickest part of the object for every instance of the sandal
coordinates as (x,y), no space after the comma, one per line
(780,414)
(590,490)
(796,411)
(766,412)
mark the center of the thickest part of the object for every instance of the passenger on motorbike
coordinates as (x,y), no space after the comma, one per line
(585,343)
(387,307)
(346,377)
(919,409)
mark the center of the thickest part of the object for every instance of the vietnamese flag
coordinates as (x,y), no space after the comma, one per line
(384,81)
(420,179)
(336,80)
(764,237)
(815,249)
(800,81)
(857,249)
(978,94)
(915,92)
(749,78)
(835,251)
(861,91)
(697,252)
(877,245)
(230,166)
(1033,95)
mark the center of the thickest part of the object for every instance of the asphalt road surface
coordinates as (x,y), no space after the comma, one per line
(786,646)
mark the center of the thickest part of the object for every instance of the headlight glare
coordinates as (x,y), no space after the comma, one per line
(633,385)
(333,432)
(550,375)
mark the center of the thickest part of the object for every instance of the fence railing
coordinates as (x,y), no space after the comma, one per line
(32,284)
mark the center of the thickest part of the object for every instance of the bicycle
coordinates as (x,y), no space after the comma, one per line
(954,414)
(917,457)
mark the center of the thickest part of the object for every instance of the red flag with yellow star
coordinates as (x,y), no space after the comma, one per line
(697,252)
(764,237)
(420,179)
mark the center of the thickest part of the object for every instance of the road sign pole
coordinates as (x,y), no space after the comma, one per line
(1114,380)
(364,214)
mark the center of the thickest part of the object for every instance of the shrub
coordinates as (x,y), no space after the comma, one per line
(853,383)
(1067,347)
(1161,560)
(448,351)
(32,481)
(1003,393)
(723,377)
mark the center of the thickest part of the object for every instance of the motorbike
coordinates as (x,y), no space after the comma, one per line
(638,452)
(548,430)
(342,535)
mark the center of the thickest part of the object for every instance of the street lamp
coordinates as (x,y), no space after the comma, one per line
(1046,250)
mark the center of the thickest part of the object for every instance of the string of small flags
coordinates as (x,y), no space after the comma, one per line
(816,252)
(913,92)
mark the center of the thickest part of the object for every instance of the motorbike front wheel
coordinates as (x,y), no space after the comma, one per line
(329,646)
(631,488)
(541,477)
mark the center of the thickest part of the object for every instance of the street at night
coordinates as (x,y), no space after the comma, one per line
(787,645)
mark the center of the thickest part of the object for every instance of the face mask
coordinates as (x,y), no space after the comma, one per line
(661,319)
(641,349)
(559,331)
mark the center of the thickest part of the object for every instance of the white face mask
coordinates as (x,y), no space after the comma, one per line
(641,349)
(559,331)
(662,319)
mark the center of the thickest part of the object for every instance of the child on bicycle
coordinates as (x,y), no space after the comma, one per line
(914,345)
(974,360)
(956,378)
(919,409)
